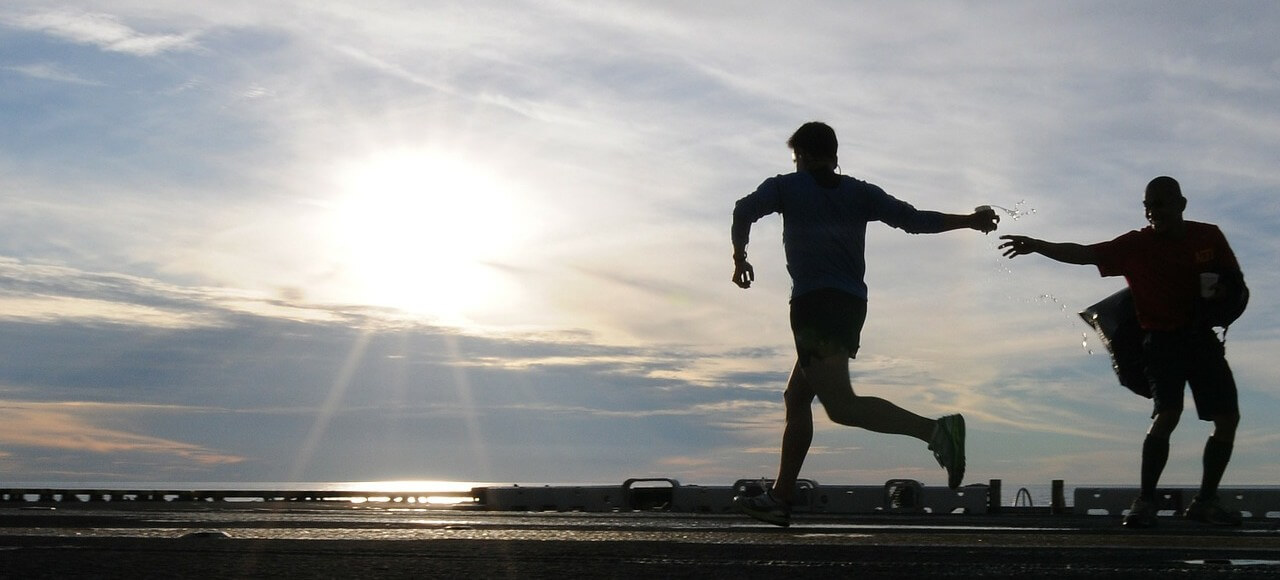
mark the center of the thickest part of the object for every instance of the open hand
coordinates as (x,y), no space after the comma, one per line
(1018,245)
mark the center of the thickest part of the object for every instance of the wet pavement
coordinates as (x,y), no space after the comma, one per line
(315,540)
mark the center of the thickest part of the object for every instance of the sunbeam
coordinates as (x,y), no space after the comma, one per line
(330,406)
(462,384)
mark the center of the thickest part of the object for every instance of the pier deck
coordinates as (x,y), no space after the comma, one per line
(325,539)
(654,528)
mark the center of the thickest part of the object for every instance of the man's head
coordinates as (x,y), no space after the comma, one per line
(1164,204)
(814,144)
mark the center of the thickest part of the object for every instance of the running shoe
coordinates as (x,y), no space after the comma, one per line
(765,507)
(948,447)
(1142,514)
(1210,511)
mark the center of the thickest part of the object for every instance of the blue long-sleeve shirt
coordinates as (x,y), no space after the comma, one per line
(824,230)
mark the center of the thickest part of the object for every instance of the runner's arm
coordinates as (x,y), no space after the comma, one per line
(984,220)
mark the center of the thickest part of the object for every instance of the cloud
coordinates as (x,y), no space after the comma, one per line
(198,364)
(74,426)
(106,32)
(626,137)
(64,309)
(50,293)
(390,68)
(51,72)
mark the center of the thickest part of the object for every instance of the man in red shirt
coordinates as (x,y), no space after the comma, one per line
(1163,264)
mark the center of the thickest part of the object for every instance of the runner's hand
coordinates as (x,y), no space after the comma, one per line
(987,219)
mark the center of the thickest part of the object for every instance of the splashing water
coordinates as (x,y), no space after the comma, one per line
(1051,298)
(1068,316)
(1018,210)
(1021,210)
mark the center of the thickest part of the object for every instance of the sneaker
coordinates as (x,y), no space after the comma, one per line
(948,447)
(1142,514)
(765,507)
(1210,511)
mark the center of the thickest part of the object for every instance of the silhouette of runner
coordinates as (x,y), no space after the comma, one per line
(825,218)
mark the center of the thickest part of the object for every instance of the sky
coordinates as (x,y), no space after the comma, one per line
(322,240)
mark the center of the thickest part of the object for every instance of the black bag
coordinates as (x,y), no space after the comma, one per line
(1116,321)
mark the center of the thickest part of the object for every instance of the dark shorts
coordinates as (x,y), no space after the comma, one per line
(827,322)
(1191,357)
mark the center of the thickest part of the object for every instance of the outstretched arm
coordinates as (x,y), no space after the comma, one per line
(901,215)
(1065,252)
(983,219)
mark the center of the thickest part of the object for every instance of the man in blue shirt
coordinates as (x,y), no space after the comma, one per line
(825,218)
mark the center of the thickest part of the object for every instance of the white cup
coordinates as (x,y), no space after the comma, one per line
(1208,283)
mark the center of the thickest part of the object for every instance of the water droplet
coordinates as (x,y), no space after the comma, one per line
(1018,210)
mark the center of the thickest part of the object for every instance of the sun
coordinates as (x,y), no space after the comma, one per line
(425,232)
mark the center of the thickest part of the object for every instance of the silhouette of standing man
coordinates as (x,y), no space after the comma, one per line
(1163,264)
(825,216)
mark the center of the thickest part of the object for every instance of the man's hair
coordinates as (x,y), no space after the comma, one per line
(815,139)
(1164,185)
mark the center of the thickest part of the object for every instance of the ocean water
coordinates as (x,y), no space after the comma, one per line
(1037,495)
(409,491)
(395,486)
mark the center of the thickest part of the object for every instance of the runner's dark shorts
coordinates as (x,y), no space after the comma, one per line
(1194,357)
(826,322)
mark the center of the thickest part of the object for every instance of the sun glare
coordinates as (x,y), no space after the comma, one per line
(425,233)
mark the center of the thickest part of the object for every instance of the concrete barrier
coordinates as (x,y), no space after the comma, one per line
(1113,501)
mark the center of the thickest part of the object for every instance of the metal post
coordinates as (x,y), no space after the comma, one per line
(1059,502)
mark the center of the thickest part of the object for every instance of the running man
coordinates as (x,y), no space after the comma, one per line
(825,216)
(1162,264)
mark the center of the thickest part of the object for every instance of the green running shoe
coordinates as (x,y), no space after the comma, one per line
(948,447)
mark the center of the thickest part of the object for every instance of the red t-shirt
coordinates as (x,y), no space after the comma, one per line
(1164,273)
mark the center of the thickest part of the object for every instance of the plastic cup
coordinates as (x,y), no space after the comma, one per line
(1208,283)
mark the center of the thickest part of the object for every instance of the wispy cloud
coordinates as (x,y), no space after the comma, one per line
(106,32)
(51,72)
(61,309)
